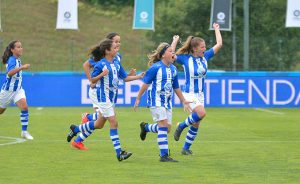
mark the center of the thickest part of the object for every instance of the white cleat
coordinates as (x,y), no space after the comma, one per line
(26,135)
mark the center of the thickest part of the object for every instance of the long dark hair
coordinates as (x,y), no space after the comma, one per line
(98,51)
(7,53)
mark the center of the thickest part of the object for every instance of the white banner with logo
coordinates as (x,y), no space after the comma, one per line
(293,13)
(67,17)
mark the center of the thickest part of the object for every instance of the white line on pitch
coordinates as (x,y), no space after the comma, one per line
(15,140)
(269,111)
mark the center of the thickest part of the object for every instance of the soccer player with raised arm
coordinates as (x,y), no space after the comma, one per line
(194,58)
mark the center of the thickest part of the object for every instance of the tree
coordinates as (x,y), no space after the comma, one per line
(272,46)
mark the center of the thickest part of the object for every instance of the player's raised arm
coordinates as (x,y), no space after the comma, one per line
(218,38)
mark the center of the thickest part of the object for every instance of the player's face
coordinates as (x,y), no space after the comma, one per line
(113,50)
(117,41)
(18,50)
(168,55)
(200,49)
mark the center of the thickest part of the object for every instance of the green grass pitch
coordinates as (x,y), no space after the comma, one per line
(233,146)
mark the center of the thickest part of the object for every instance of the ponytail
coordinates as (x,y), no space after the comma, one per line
(98,51)
(7,53)
(190,43)
(156,55)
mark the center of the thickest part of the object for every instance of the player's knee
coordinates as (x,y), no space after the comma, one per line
(201,114)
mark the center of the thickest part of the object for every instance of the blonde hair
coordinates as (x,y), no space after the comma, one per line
(190,43)
(156,55)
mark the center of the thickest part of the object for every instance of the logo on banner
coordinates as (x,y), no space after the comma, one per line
(144,17)
(220,18)
(67,16)
(296,14)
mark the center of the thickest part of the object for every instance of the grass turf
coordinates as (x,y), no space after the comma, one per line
(232,146)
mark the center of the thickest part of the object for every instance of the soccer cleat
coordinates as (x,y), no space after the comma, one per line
(26,135)
(72,133)
(143,131)
(177,133)
(84,118)
(186,152)
(167,158)
(78,145)
(124,155)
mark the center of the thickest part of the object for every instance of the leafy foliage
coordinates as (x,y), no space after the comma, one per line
(272,46)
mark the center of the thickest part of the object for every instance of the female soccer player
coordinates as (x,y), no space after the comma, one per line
(107,90)
(12,88)
(193,56)
(89,65)
(162,76)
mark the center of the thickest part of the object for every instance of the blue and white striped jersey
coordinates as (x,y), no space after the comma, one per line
(14,82)
(163,80)
(119,56)
(195,70)
(92,62)
(107,86)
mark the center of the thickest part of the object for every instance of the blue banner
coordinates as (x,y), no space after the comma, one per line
(223,89)
(143,14)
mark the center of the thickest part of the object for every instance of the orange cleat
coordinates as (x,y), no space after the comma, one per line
(78,145)
(84,118)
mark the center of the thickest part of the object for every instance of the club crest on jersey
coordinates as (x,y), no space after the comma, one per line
(201,71)
(115,82)
(168,86)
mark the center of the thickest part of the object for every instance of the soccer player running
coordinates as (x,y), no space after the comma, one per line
(107,90)
(193,56)
(88,66)
(162,76)
(12,88)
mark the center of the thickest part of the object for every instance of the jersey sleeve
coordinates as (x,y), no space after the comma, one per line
(11,64)
(120,56)
(92,62)
(97,69)
(175,84)
(181,58)
(209,54)
(150,75)
(122,73)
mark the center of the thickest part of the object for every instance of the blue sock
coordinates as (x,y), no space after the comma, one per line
(83,135)
(162,140)
(191,119)
(24,119)
(90,117)
(93,117)
(116,141)
(190,137)
(89,126)
(151,128)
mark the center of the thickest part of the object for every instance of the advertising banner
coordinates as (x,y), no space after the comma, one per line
(221,14)
(143,14)
(67,16)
